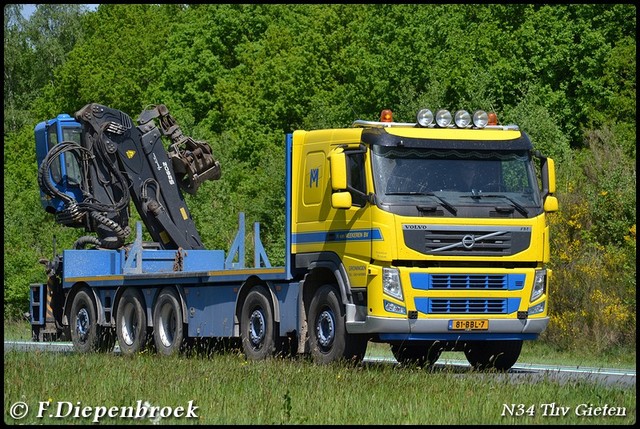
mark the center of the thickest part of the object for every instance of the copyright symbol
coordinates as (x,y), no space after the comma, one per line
(19,410)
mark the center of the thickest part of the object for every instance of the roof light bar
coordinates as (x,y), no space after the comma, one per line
(443,119)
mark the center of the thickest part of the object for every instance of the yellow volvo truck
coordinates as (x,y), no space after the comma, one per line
(433,235)
(427,236)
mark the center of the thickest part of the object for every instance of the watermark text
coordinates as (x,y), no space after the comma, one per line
(77,410)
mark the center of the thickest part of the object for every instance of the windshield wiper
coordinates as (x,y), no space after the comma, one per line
(515,204)
(443,202)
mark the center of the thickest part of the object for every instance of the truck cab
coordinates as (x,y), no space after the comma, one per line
(436,231)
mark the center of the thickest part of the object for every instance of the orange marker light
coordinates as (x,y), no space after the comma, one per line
(386,116)
(493,119)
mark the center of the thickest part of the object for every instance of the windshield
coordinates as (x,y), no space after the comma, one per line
(453,178)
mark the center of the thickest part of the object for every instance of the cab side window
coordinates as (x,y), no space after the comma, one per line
(355,176)
(72,164)
(55,169)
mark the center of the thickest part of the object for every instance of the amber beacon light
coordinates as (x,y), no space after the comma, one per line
(386,116)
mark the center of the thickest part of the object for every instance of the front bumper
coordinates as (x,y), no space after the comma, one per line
(438,329)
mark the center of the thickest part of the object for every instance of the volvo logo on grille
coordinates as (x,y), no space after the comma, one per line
(468,241)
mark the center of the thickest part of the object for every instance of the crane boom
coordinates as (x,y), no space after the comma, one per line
(117,161)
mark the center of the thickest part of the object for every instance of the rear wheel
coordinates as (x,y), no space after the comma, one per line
(131,322)
(168,329)
(86,334)
(421,353)
(257,325)
(500,355)
(329,340)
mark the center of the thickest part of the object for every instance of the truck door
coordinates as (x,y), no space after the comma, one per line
(356,221)
(320,228)
(349,228)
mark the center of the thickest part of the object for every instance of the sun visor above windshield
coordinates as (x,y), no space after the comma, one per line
(448,139)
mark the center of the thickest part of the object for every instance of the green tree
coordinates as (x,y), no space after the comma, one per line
(33,49)
(116,63)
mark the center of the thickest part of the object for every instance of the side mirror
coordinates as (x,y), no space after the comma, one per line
(338,170)
(551,171)
(341,200)
(551,204)
(340,197)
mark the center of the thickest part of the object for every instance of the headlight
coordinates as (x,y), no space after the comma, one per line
(536,309)
(391,283)
(443,118)
(480,118)
(394,308)
(462,119)
(425,117)
(539,284)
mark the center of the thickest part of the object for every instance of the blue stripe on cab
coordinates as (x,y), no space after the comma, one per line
(337,236)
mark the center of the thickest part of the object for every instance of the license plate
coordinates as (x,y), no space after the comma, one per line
(469,325)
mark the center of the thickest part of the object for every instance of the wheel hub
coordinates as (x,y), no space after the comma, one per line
(82,323)
(325,328)
(256,327)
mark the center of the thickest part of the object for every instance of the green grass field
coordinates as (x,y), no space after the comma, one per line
(227,389)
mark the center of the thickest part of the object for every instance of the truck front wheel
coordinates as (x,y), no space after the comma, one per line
(499,355)
(168,329)
(257,325)
(329,340)
(131,322)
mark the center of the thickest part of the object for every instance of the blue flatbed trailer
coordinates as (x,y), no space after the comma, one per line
(209,283)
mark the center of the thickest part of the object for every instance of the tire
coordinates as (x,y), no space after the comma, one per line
(328,336)
(131,322)
(257,325)
(498,355)
(422,353)
(168,329)
(85,333)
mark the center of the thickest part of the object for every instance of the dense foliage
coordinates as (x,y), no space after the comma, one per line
(242,75)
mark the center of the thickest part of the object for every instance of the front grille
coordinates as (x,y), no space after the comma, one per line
(467,305)
(454,241)
(425,281)
(475,306)
(439,240)
(468,282)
